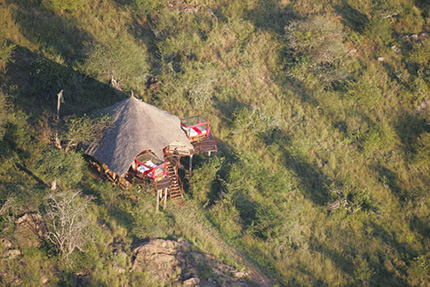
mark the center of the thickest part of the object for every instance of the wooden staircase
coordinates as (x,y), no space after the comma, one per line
(175,189)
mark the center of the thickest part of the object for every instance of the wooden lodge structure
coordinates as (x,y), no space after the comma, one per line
(144,145)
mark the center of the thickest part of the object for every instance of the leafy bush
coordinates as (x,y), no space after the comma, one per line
(422,156)
(363,273)
(3,114)
(227,218)
(204,180)
(63,5)
(121,58)
(6,50)
(55,165)
(419,59)
(84,130)
(319,39)
(147,7)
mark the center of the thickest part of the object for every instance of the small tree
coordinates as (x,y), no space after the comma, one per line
(3,114)
(319,39)
(56,166)
(67,221)
(6,50)
(318,42)
(83,130)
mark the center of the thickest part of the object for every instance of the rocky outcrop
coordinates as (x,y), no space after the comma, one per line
(168,261)
(415,37)
(31,228)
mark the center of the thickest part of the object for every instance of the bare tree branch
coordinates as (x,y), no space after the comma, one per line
(67,222)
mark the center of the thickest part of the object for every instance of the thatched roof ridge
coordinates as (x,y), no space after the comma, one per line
(136,126)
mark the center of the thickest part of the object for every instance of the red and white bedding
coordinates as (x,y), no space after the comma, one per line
(195,131)
(144,169)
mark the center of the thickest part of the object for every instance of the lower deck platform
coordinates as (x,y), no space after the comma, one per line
(139,179)
(206,144)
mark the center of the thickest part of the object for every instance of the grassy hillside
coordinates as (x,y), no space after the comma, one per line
(321,108)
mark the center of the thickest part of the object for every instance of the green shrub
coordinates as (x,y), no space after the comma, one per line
(66,169)
(147,7)
(422,156)
(410,20)
(63,5)
(84,130)
(363,273)
(419,59)
(3,114)
(205,179)
(120,58)
(379,30)
(420,269)
(227,218)
(319,39)
(6,50)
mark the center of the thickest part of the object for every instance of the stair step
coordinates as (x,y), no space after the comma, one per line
(174,189)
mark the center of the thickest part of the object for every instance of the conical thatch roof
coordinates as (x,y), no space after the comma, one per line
(136,126)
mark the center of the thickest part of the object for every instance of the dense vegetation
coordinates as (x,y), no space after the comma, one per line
(321,108)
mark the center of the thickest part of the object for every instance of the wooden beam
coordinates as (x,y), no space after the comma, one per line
(158,200)
(165,199)
(191,163)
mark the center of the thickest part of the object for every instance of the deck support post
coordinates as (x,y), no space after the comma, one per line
(209,153)
(158,200)
(165,199)
(191,163)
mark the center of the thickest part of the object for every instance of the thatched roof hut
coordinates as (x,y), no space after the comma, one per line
(137,126)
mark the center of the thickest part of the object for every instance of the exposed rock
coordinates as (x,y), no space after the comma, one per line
(423,35)
(415,37)
(381,59)
(10,253)
(190,9)
(425,104)
(241,274)
(173,261)
(396,49)
(44,279)
(163,259)
(119,270)
(191,282)
(6,242)
(352,51)
(332,206)
(30,228)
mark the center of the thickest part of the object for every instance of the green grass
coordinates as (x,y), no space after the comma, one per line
(295,132)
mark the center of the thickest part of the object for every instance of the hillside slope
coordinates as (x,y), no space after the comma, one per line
(321,108)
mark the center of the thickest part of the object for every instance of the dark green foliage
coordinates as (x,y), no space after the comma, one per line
(321,109)
(56,165)
(84,130)
(3,113)
(6,50)
(147,7)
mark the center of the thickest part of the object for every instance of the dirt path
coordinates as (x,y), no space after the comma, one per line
(187,217)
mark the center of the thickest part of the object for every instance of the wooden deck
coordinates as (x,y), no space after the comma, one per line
(206,144)
(139,179)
